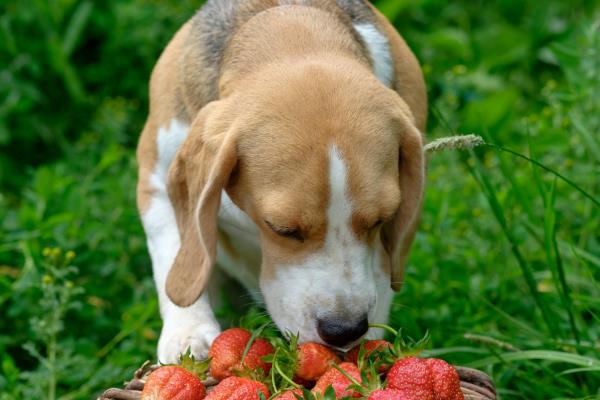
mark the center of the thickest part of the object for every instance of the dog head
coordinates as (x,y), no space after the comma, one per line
(328,164)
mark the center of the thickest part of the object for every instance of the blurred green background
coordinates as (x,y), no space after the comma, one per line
(505,271)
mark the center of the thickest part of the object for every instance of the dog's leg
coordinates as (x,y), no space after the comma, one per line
(195,326)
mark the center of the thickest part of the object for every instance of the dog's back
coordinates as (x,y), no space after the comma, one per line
(217,21)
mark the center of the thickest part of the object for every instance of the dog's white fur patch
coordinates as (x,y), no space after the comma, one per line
(344,275)
(379,49)
(168,141)
(245,239)
(193,326)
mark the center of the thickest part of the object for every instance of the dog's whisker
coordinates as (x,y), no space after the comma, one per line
(249,295)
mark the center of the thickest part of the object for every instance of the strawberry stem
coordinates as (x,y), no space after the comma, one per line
(347,375)
(385,327)
(254,335)
(280,372)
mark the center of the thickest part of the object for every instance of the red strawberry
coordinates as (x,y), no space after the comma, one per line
(389,394)
(236,388)
(313,360)
(412,377)
(228,348)
(173,382)
(339,382)
(258,349)
(289,395)
(427,379)
(370,346)
(446,382)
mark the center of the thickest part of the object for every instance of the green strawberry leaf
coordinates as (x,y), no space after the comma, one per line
(307,394)
(283,363)
(196,367)
(329,393)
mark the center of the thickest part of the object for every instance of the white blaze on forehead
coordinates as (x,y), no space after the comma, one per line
(339,211)
(342,251)
(338,280)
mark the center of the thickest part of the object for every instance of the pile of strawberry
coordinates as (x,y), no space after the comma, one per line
(248,367)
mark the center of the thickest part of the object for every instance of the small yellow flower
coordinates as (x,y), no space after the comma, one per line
(545,287)
(47,280)
(46,252)
(547,111)
(149,334)
(70,255)
(459,69)
(452,99)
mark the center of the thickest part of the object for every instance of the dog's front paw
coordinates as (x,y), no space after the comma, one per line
(176,338)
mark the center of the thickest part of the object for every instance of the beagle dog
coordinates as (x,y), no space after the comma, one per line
(284,143)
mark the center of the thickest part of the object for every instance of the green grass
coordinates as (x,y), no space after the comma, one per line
(505,271)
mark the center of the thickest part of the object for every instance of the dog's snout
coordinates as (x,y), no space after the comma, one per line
(340,331)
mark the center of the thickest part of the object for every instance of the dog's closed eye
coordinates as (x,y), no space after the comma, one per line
(286,232)
(376,225)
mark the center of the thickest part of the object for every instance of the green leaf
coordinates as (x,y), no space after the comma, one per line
(553,255)
(329,393)
(76,26)
(196,367)
(479,173)
(491,112)
(547,355)
(392,8)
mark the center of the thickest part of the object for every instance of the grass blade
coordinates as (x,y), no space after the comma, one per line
(553,255)
(76,26)
(547,169)
(554,356)
(498,212)
(515,321)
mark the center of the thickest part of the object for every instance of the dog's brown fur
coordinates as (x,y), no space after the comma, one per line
(262,119)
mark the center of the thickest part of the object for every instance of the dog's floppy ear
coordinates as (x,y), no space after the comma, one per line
(398,234)
(196,179)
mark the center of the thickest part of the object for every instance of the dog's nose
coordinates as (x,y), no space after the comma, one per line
(340,332)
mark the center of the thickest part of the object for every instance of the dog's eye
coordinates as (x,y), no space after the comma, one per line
(286,232)
(376,225)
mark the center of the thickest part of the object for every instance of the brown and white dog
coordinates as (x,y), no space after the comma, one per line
(284,143)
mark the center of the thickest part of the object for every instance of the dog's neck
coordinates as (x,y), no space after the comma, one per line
(287,35)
